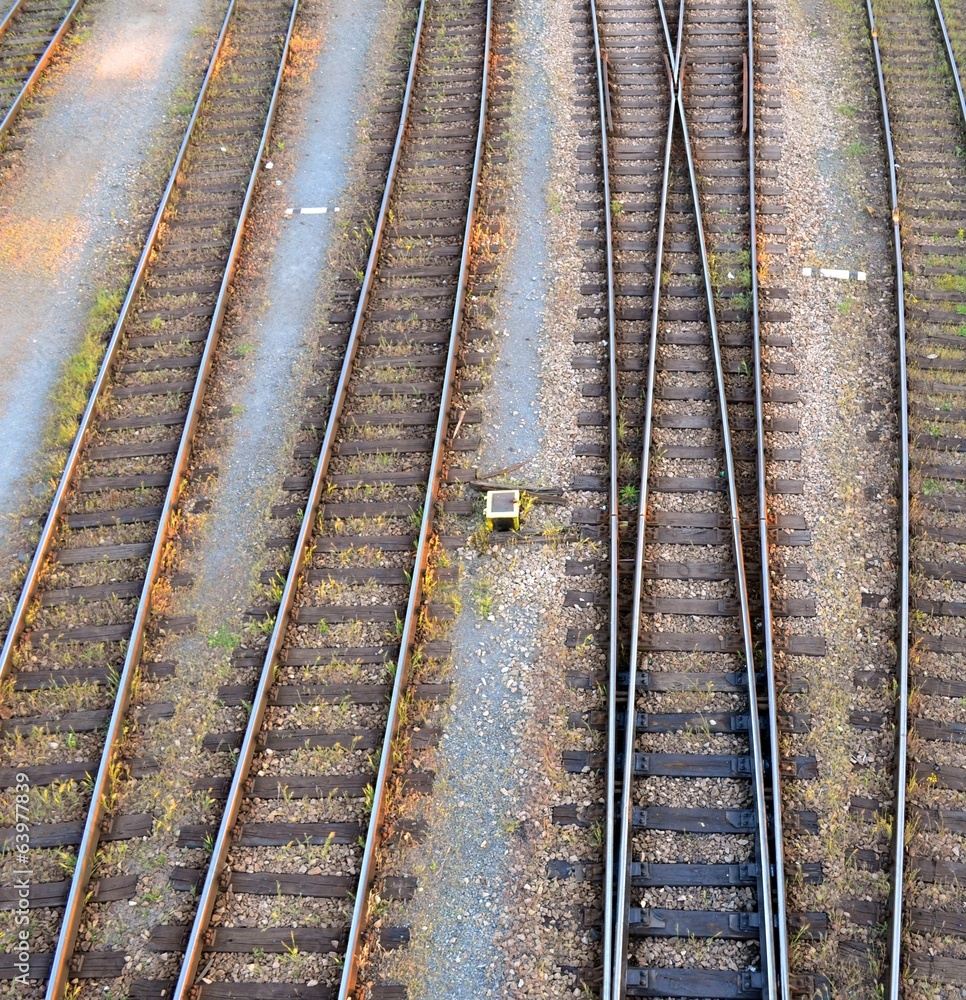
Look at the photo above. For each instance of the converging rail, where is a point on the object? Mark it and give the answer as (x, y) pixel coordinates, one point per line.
(30, 33)
(693, 328)
(80, 626)
(924, 121)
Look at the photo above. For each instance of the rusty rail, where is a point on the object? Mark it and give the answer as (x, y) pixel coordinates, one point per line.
(9, 16)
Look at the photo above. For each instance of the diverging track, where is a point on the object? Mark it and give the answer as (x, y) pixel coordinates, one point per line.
(697, 807)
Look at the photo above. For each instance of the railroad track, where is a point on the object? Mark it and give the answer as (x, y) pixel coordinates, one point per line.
(353, 606)
(924, 116)
(345, 618)
(30, 33)
(73, 649)
(694, 811)
(311, 742)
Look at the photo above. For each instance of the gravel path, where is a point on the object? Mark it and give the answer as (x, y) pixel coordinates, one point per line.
(486, 921)
(514, 431)
(473, 817)
(74, 205)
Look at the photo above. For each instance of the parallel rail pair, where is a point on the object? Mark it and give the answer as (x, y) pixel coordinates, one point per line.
(627, 648)
(123, 643)
(923, 110)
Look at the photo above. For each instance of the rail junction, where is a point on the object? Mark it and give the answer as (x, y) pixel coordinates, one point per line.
(691, 447)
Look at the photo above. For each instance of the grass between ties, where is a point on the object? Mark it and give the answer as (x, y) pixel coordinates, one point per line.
(73, 386)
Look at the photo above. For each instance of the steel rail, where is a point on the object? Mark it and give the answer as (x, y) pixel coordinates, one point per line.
(951, 56)
(754, 725)
(613, 513)
(761, 813)
(9, 16)
(59, 500)
(679, 40)
(219, 853)
(894, 916)
(85, 856)
(625, 829)
(767, 618)
(407, 639)
(45, 58)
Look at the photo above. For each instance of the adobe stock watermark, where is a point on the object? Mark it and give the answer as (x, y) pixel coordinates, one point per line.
(21, 876)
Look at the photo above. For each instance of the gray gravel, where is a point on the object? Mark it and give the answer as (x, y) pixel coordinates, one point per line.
(482, 869)
(844, 337)
(457, 912)
(515, 432)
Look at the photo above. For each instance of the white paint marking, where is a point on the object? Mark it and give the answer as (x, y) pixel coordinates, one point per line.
(834, 272)
(321, 210)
